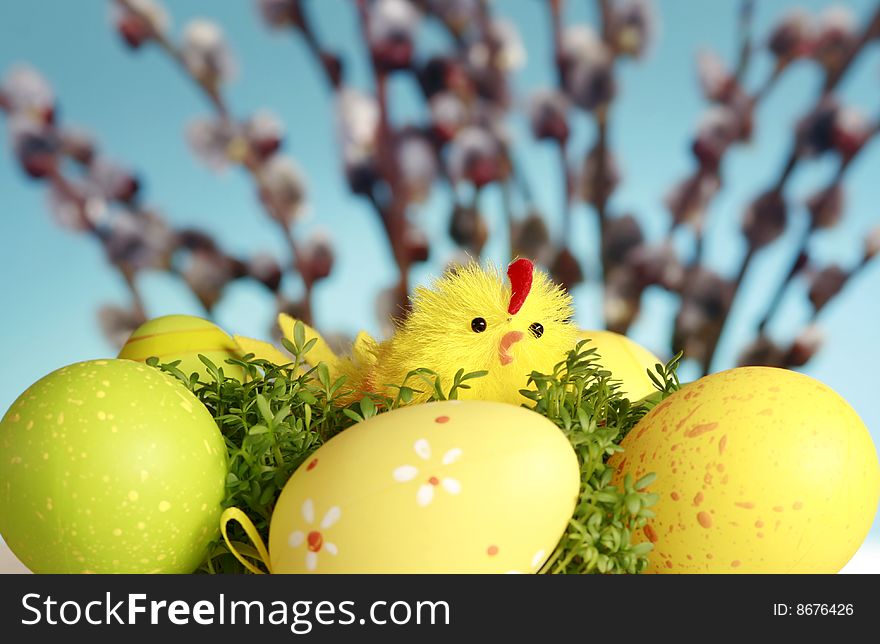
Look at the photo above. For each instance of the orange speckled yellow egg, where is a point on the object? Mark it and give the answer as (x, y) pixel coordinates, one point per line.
(455, 486)
(759, 470)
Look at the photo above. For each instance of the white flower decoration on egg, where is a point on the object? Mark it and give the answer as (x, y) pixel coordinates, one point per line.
(537, 560)
(314, 539)
(425, 493)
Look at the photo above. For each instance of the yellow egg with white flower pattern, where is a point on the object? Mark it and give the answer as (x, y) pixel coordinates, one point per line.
(446, 487)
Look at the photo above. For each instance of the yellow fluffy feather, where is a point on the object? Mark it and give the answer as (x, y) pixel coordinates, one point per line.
(443, 333)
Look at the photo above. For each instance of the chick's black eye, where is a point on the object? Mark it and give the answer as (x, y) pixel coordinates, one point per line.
(478, 325)
(537, 329)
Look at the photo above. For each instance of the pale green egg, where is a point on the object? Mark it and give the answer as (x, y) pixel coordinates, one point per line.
(110, 466)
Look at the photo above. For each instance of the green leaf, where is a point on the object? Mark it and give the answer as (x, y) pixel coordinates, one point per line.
(633, 503)
(307, 396)
(267, 495)
(323, 375)
(605, 497)
(356, 417)
(212, 368)
(299, 336)
(641, 549)
(308, 346)
(645, 481)
(265, 410)
(368, 407)
(280, 416)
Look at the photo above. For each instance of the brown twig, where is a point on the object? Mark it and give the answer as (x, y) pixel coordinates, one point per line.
(746, 13)
(72, 192)
(567, 193)
(691, 196)
(507, 209)
(813, 319)
(599, 191)
(212, 93)
(832, 79)
(801, 255)
(602, 115)
(393, 213)
(330, 63)
(562, 148)
(865, 37)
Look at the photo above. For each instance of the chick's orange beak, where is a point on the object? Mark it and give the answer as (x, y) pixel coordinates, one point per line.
(508, 340)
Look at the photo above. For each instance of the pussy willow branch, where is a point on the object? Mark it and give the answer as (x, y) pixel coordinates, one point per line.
(392, 213)
(70, 190)
(800, 257)
(744, 59)
(746, 38)
(215, 97)
(210, 92)
(868, 33)
(746, 13)
(690, 197)
(794, 158)
(801, 254)
(485, 23)
(507, 210)
(697, 258)
(867, 258)
(602, 118)
(322, 56)
(816, 313)
(562, 147)
(741, 68)
(601, 191)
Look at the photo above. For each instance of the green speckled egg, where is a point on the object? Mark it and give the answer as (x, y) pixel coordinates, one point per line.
(110, 466)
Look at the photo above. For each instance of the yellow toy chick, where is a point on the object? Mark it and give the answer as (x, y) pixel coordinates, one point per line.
(468, 319)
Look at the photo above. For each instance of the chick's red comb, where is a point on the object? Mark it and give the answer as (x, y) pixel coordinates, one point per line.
(519, 272)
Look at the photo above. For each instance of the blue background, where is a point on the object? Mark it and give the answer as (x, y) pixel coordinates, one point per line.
(138, 105)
